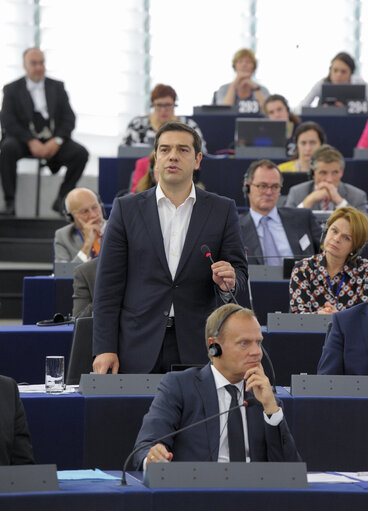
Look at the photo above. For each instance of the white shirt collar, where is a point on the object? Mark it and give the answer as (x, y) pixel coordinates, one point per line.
(31, 85)
(221, 381)
(257, 217)
(161, 196)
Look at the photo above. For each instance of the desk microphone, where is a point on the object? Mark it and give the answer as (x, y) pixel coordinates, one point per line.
(207, 253)
(249, 402)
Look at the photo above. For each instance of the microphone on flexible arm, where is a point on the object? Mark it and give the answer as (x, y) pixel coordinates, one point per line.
(207, 253)
(247, 403)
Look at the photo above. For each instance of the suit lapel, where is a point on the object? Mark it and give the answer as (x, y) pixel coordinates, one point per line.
(251, 240)
(25, 98)
(207, 391)
(200, 214)
(148, 207)
(50, 98)
(290, 229)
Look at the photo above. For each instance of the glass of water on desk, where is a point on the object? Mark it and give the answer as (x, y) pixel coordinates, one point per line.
(54, 375)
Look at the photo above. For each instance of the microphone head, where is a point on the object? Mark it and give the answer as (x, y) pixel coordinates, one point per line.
(205, 249)
(250, 401)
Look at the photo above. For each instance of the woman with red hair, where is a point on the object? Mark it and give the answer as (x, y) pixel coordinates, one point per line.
(142, 129)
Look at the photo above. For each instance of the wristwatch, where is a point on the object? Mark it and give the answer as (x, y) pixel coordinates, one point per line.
(58, 140)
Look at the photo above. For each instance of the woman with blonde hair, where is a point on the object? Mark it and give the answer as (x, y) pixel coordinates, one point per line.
(243, 87)
(335, 279)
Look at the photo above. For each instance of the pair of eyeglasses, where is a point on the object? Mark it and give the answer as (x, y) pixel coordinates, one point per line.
(262, 187)
(162, 106)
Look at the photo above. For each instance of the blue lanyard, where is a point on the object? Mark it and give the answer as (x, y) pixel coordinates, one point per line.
(338, 289)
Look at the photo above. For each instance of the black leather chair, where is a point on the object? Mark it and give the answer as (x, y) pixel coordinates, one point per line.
(81, 353)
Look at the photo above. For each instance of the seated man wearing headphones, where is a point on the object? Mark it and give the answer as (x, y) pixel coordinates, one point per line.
(326, 191)
(80, 240)
(234, 378)
(271, 233)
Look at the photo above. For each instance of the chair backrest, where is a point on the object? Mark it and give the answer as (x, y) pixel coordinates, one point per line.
(81, 353)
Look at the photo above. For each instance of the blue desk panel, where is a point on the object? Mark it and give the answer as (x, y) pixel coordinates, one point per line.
(342, 132)
(107, 495)
(224, 176)
(56, 296)
(23, 349)
(44, 296)
(57, 427)
(292, 353)
(90, 432)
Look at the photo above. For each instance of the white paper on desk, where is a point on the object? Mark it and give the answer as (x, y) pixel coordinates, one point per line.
(85, 475)
(339, 477)
(40, 388)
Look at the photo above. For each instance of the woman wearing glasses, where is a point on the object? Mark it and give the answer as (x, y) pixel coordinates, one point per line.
(142, 129)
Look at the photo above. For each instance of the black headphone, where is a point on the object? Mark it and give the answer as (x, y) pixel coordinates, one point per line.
(69, 217)
(248, 176)
(315, 158)
(58, 319)
(214, 349)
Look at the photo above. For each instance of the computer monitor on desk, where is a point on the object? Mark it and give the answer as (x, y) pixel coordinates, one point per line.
(342, 92)
(259, 138)
(65, 270)
(360, 153)
(135, 151)
(322, 215)
(214, 110)
(290, 179)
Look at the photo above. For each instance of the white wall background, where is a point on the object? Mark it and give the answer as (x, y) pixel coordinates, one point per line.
(110, 53)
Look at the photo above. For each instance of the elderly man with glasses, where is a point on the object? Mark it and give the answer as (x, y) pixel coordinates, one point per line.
(270, 233)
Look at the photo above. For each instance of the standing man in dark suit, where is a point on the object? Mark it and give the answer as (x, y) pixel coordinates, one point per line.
(235, 375)
(15, 441)
(154, 288)
(291, 232)
(37, 120)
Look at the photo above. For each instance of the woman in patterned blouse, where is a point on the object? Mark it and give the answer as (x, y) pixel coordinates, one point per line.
(142, 129)
(337, 278)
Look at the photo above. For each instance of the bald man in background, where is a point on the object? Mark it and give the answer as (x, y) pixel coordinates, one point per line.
(80, 241)
(37, 120)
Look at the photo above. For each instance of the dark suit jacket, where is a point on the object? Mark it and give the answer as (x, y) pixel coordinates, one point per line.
(17, 110)
(355, 197)
(297, 222)
(186, 397)
(83, 287)
(134, 288)
(346, 348)
(15, 441)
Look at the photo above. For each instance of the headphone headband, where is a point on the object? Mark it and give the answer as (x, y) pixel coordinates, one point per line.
(224, 319)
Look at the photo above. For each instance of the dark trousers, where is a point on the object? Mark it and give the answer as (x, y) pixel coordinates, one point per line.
(71, 155)
(169, 353)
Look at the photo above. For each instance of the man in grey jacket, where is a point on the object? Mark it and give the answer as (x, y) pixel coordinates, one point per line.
(80, 240)
(326, 191)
